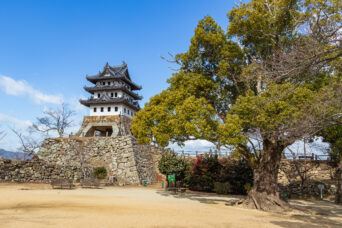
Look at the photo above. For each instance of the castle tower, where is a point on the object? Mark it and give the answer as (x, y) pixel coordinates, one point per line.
(112, 104)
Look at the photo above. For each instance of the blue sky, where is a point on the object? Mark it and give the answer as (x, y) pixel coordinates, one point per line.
(47, 48)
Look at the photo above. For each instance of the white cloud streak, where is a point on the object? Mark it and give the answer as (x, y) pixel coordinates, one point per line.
(22, 124)
(22, 88)
(194, 145)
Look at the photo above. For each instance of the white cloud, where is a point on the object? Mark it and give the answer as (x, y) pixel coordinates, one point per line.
(22, 88)
(77, 106)
(10, 141)
(10, 120)
(194, 145)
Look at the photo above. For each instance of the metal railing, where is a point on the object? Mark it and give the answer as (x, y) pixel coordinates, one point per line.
(297, 156)
(307, 156)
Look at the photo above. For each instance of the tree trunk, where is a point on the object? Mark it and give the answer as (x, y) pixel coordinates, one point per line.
(264, 194)
(339, 184)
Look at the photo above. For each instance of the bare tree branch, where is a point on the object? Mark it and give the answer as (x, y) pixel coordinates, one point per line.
(172, 60)
(55, 120)
(28, 144)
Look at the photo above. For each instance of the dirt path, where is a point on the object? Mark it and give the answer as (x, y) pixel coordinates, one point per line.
(36, 205)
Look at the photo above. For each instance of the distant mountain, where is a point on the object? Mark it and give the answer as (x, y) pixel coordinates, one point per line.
(13, 155)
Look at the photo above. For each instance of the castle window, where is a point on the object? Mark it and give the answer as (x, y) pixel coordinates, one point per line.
(111, 94)
(128, 111)
(116, 94)
(94, 109)
(98, 95)
(108, 83)
(101, 109)
(108, 109)
(103, 83)
(124, 110)
(116, 109)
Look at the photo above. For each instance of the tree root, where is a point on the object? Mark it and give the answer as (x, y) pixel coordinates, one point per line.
(263, 201)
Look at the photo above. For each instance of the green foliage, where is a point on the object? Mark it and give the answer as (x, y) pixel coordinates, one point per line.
(174, 117)
(275, 75)
(199, 95)
(279, 106)
(171, 163)
(100, 172)
(261, 25)
(238, 173)
(222, 188)
(333, 135)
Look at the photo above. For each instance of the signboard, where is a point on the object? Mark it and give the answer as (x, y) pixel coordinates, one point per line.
(321, 188)
(171, 178)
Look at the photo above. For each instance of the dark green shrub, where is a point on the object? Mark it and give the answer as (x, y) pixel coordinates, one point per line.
(222, 188)
(238, 173)
(100, 172)
(171, 163)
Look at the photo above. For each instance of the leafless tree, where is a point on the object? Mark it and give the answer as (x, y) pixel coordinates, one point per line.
(28, 144)
(57, 120)
(303, 169)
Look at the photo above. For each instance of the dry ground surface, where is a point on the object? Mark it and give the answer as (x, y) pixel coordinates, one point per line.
(37, 205)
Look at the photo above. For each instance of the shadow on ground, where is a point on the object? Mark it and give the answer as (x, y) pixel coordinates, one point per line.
(316, 214)
(203, 197)
(310, 214)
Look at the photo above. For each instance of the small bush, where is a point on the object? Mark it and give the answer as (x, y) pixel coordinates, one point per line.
(171, 163)
(222, 188)
(100, 172)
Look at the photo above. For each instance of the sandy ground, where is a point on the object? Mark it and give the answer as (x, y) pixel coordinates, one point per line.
(37, 205)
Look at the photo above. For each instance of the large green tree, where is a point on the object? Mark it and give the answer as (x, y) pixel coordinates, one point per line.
(200, 93)
(259, 82)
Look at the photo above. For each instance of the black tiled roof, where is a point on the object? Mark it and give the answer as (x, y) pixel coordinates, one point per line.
(115, 72)
(93, 89)
(118, 100)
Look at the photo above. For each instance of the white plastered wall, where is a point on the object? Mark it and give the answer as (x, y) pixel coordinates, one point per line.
(112, 112)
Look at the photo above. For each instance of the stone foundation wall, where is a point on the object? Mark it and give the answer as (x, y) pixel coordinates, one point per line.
(312, 172)
(122, 156)
(131, 163)
(120, 124)
(37, 170)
